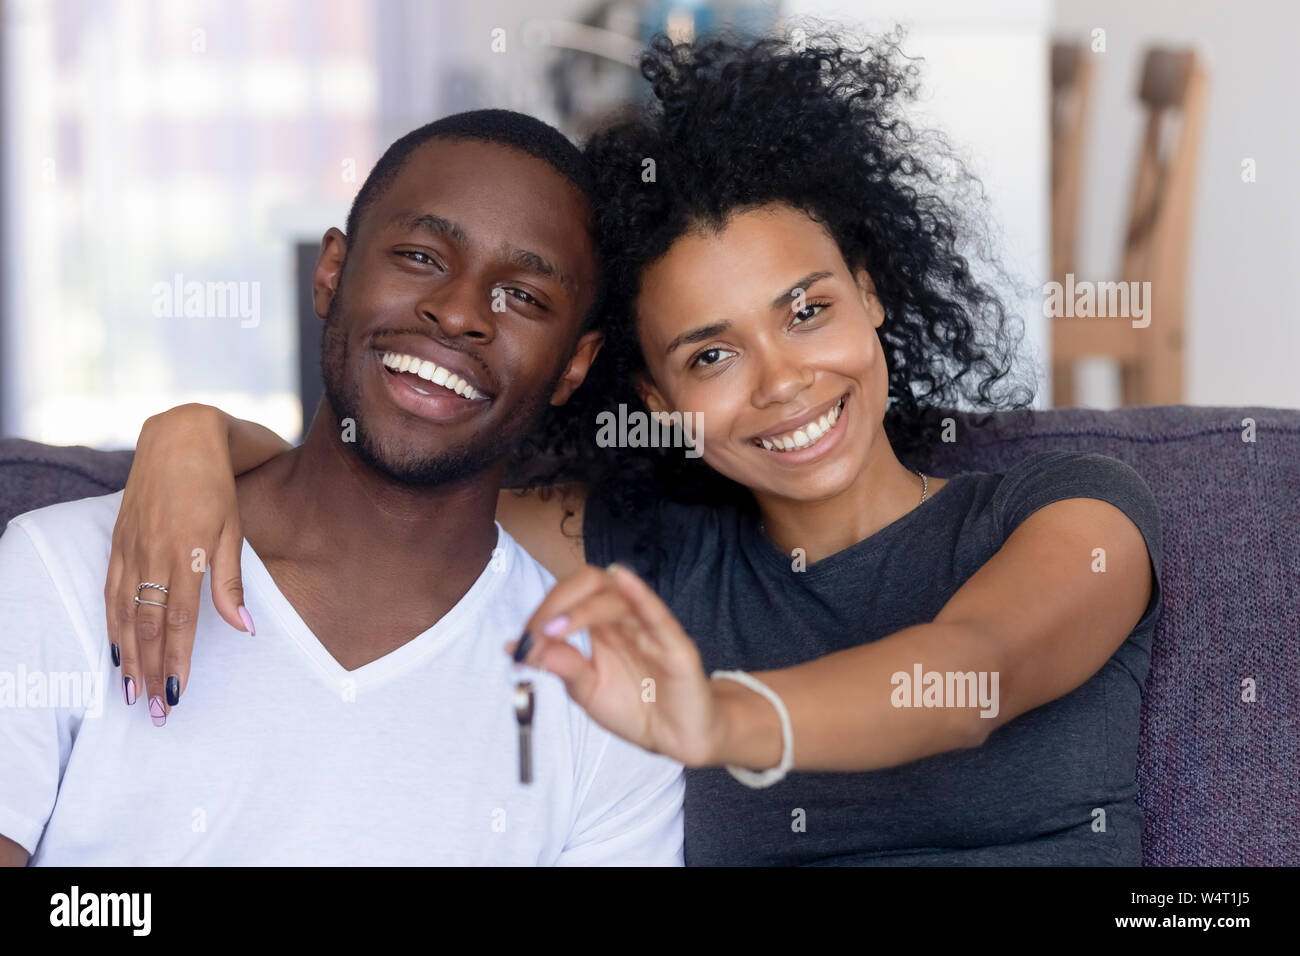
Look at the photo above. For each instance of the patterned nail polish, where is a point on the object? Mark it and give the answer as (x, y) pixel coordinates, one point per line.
(117, 658)
(173, 691)
(128, 690)
(156, 712)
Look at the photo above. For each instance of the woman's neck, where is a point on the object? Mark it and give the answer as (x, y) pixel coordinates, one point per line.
(882, 493)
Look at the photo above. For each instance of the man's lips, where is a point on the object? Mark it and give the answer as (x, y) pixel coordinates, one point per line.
(421, 398)
(422, 364)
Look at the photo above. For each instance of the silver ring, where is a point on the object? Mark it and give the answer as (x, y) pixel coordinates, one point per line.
(149, 584)
(154, 603)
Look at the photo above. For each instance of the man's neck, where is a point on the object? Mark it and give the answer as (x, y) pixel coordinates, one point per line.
(320, 518)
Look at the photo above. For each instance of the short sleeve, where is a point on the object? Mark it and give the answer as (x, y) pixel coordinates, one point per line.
(1053, 476)
(610, 535)
(630, 810)
(40, 656)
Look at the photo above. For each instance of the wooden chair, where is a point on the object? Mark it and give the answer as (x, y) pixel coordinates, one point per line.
(1071, 93)
(1173, 90)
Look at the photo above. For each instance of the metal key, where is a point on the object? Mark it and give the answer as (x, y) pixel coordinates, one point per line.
(524, 704)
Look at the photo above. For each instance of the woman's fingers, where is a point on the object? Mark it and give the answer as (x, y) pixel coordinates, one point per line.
(122, 609)
(150, 635)
(112, 585)
(566, 594)
(185, 586)
(227, 581)
(566, 662)
(655, 616)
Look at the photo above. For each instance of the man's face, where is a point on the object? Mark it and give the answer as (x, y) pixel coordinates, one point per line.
(476, 262)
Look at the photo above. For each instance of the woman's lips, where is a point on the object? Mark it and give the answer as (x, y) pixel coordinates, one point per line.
(807, 446)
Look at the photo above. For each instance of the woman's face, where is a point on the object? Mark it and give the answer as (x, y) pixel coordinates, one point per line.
(763, 330)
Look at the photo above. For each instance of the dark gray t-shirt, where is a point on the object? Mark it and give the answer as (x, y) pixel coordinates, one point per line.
(1028, 796)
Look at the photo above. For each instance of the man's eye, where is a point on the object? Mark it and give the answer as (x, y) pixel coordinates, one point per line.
(522, 296)
(423, 258)
(809, 311)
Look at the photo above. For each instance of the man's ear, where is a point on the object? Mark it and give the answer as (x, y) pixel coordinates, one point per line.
(329, 267)
(584, 353)
(870, 300)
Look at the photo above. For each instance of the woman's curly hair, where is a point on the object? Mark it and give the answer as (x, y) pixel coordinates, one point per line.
(817, 125)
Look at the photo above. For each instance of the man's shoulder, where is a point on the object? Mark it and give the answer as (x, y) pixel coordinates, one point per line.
(72, 525)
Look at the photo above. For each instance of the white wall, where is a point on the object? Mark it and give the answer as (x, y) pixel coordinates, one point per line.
(985, 85)
(1243, 322)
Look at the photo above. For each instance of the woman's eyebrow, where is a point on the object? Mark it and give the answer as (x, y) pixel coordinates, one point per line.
(783, 300)
(697, 335)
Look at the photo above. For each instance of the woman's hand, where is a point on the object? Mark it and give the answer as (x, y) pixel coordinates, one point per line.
(644, 680)
(179, 516)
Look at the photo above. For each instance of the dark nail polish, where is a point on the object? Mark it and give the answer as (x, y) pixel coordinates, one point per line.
(117, 658)
(173, 691)
(524, 646)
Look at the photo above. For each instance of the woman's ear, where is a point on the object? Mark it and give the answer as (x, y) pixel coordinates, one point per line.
(870, 300)
(584, 353)
(650, 395)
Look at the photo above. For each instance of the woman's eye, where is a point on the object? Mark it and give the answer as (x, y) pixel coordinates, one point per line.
(809, 311)
(709, 357)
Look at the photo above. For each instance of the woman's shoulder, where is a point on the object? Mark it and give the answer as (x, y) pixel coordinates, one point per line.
(1046, 477)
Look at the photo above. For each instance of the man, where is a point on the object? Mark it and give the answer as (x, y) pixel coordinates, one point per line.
(369, 721)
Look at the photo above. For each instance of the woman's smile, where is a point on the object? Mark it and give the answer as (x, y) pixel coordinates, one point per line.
(813, 434)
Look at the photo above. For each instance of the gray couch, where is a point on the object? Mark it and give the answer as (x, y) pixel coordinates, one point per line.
(1219, 778)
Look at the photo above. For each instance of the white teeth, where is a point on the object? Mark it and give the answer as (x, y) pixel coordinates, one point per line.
(430, 372)
(809, 434)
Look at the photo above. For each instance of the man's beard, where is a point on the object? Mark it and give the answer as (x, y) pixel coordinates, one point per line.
(412, 466)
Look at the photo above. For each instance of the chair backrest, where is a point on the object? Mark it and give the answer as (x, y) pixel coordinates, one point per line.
(1173, 92)
(1071, 95)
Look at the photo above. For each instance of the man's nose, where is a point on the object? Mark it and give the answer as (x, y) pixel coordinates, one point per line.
(460, 310)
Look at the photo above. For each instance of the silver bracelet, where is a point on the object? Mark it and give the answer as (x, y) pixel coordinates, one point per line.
(766, 778)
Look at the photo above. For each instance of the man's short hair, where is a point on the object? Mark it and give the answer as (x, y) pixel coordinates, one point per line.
(505, 127)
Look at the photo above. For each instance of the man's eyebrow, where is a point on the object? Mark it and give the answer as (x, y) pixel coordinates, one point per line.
(784, 299)
(697, 335)
(543, 267)
(434, 225)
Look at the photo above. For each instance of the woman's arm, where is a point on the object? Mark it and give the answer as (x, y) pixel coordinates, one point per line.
(1036, 614)
(180, 516)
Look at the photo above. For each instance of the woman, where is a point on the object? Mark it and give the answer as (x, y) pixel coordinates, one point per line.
(968, 652)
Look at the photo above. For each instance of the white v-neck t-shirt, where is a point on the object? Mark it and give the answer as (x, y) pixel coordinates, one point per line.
(277, 755)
